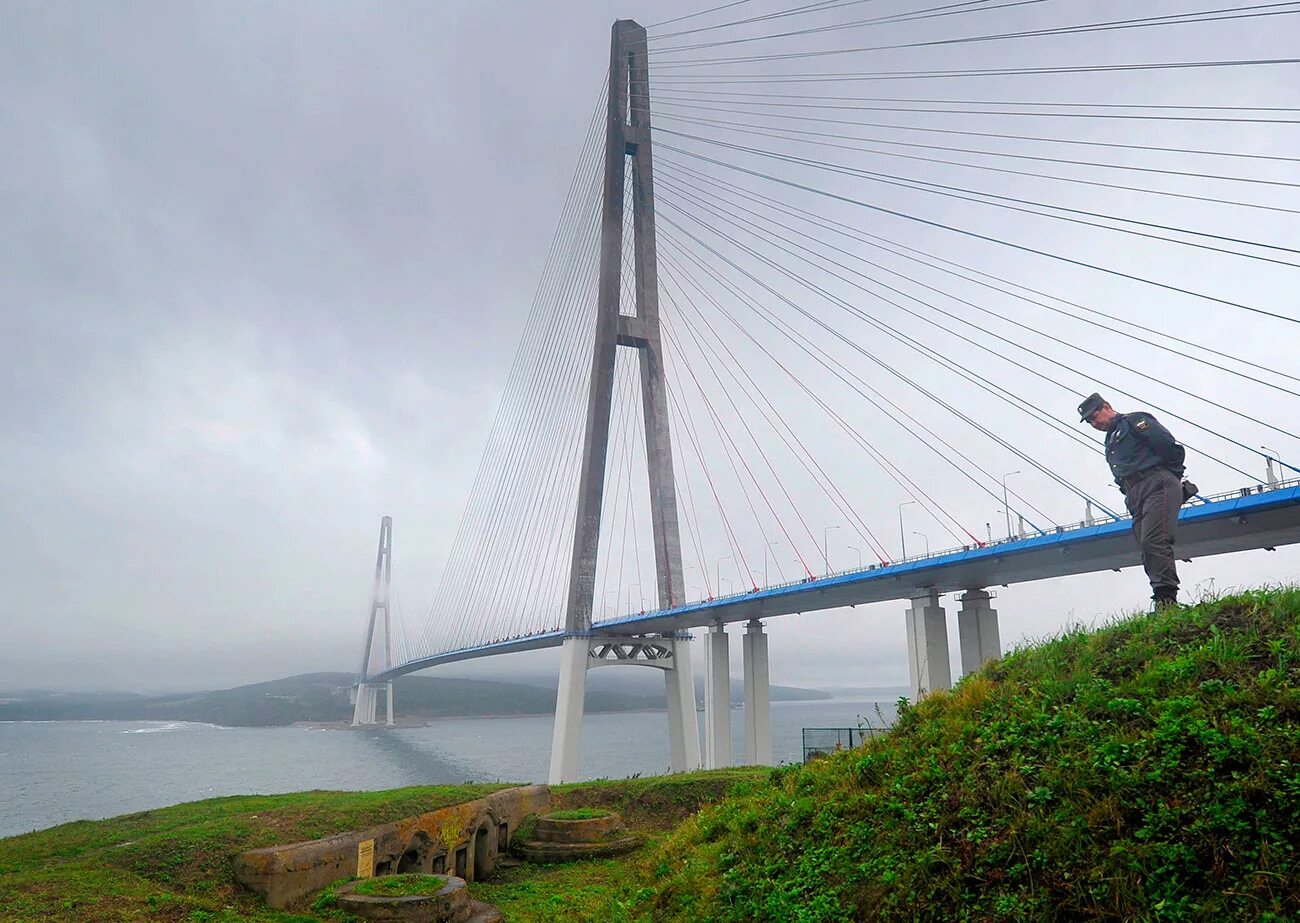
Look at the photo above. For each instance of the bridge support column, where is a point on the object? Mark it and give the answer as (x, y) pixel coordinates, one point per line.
(683, 726)
(569, 703)
(758, 696)
(928, 664)
(977, 631)
(366, 707)
(717, 698)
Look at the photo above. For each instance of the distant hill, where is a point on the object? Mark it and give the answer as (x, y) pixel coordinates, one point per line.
(309, 697)
(324, 697)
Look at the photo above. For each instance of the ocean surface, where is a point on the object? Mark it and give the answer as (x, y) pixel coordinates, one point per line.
(52, 772)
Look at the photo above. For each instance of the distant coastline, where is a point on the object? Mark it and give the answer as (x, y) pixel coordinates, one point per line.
(321, 701)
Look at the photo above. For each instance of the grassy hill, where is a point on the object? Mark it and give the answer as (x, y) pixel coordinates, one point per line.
(175, 864)
(1146, 771)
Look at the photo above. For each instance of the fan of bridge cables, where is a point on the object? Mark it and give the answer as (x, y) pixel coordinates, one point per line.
(898, 242)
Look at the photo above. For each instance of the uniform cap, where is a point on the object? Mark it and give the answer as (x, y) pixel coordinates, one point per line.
(1092, 403)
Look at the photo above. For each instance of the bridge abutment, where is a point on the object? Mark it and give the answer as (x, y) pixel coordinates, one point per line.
(758, 696)
(977, 630)
(717, 698)
(928, 664)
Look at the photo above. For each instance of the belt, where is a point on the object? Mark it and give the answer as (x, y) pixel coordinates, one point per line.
(1144, 473)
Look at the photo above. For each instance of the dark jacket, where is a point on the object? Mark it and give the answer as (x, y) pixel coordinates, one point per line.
(1138, 442)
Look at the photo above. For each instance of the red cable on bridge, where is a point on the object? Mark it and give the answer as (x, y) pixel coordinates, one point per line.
(762, 493)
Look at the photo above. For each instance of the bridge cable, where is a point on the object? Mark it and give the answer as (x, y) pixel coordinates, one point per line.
(841, 371)
(853, 344)
(886, 464)
(904, 338)
(807, 459)
(1255, 11)
(732, 451)
(934, 12)
(978, 236)
(915, 255)
(1000, 201)
(762, 454)
(1192, 174)
(990, 312)
(966, 73)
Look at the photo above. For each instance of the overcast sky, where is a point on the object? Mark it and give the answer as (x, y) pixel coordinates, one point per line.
(264, 267)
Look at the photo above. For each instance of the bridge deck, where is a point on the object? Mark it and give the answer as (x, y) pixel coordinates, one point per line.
(1251, 518)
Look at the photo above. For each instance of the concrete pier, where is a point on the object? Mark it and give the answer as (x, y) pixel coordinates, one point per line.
(717, 698)
(683, 726)
(566, 739)
(928, 665)
(758, 696)
(977, 630)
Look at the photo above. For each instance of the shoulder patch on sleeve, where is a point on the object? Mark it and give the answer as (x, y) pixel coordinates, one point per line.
(1142, 425)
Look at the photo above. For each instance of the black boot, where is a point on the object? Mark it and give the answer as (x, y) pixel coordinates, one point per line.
(1164, 597)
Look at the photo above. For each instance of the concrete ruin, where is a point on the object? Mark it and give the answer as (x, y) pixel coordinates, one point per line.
(463, 840)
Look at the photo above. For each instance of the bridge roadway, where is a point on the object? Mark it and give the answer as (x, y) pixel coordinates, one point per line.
(1249, 518)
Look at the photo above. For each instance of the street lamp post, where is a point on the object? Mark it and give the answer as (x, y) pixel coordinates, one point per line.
(629, 596)
(1005, 506)
(1268, 464)
(927, 542)
(859, 551)
(719, 570)
(901, 540)
(765, 547)
(826, 555)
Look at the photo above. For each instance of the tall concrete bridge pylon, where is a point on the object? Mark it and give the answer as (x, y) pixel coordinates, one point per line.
(365, 694)
(627, 137)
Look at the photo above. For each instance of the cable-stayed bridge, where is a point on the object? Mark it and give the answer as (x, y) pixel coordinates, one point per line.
(781, 307)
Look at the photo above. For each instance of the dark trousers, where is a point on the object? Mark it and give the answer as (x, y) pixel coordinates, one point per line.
(1153, 501)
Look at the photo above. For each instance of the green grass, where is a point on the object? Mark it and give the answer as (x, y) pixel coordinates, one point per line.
(1146, 771)
(601, 890)
(176, 863)
(401, 885)
(578, 814)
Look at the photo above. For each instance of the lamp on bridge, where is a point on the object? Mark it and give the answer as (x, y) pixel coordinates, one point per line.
(765, 547)
(927, 542)
(901, 540)
(718, 582)
(826, 557)
(1005, 507)
(1268, 465)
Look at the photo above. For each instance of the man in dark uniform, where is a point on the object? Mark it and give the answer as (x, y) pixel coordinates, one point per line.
(1147, 464)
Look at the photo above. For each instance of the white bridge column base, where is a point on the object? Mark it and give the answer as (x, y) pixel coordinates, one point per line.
(977, 631)
(367, 704)
(389, 698)
(581, 653)
(569, 702)
(717, 698)
(683, 725)
(928, 665)
(758, 696)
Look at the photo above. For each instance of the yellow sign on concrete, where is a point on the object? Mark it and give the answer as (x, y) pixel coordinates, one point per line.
(366, 859)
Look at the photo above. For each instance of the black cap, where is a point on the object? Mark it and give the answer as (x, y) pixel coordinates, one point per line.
(1092, 403)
